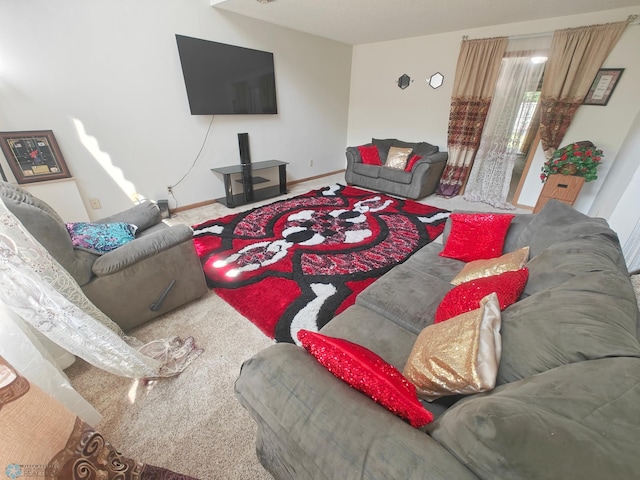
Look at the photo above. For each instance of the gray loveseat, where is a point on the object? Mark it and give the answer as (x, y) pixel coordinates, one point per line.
(567, 399)
(420, 182)
(154, 273)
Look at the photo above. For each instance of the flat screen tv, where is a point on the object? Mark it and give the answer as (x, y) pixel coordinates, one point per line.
(226, 79)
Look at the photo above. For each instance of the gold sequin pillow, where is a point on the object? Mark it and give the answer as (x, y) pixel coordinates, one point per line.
(459, 356)
(397, 157)
(508, 262)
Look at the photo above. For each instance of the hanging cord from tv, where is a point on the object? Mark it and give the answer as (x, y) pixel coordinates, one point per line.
(195, 160)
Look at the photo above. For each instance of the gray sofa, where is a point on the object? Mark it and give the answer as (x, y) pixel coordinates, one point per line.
(567, 397)
(420, 182)
(138, 281)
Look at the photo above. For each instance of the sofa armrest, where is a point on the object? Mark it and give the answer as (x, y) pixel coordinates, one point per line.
(437, 157)
(143, 216)
(141, 248)
(353, 156)
(313, 424)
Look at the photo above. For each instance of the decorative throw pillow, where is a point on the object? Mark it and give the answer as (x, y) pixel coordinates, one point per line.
(412, 161)
(486, 268)
(459, 357)
(100, 237)
(466, 296)
(397, 157)
(476, 236)
(368, 373)
(369, 155)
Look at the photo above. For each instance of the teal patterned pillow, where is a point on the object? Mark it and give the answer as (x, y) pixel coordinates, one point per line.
(100, 238)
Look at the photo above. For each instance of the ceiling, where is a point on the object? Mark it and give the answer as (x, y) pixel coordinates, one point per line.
(356, 22)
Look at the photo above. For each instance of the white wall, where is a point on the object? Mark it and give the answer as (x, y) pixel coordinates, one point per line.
(106, 78)
(378, 108)
(621, 198)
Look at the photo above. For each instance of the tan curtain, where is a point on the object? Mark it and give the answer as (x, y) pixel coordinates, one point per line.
(576, 56)
(476, 74)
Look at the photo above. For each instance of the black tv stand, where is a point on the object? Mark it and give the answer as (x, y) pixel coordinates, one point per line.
(249, 194)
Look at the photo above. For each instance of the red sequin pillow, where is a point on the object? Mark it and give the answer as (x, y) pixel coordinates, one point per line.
(367, 372)
(476, 236)
(466, 296)
(412, 161)
(369, 155)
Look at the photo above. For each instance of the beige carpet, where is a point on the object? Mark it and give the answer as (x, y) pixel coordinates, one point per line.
(192, 423)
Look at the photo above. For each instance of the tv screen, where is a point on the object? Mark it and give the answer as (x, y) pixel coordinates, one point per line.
(225, 79)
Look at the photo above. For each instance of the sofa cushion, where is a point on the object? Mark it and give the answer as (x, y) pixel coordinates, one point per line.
(467, 296)
(48, 228)
(144, 215)
(397, 157)
(564, 260)
(368, 373)
(373, 331)
(424, 149)
(476, 236)
(517, 225)
(558, 222)
(507, 262)
(384, 145)
(396, 175)
(372, 171)
(411, 162)
(313, 426)
(591, 315)
(576, 421)
(425, 275)
(459, 357)
(369, 154)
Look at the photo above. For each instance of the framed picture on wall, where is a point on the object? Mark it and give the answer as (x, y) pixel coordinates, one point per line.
(603, 86)
(33, 156)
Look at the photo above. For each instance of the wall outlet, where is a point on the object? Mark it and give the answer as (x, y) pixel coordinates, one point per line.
(95, 203)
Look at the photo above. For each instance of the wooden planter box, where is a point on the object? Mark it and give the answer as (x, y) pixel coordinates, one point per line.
(561, 187)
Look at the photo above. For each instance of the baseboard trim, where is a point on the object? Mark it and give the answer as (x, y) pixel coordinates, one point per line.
(308, 179)
(292, 182)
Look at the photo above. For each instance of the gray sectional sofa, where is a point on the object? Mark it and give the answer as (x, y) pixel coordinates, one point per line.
(567, 397)
(420, 182)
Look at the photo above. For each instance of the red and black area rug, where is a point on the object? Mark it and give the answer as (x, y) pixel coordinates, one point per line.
(296, 263)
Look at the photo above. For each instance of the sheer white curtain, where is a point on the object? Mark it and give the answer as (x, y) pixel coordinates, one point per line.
(490, 176)
(22, 348)
(42, 294)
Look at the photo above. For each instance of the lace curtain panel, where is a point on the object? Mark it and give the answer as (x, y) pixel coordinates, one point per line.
(576, 56)
(490, 177)
(474, 84)
(43, 294)
(23, 348)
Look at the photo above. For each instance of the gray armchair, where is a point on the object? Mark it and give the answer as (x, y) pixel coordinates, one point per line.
(140, 280)
(421, 181)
